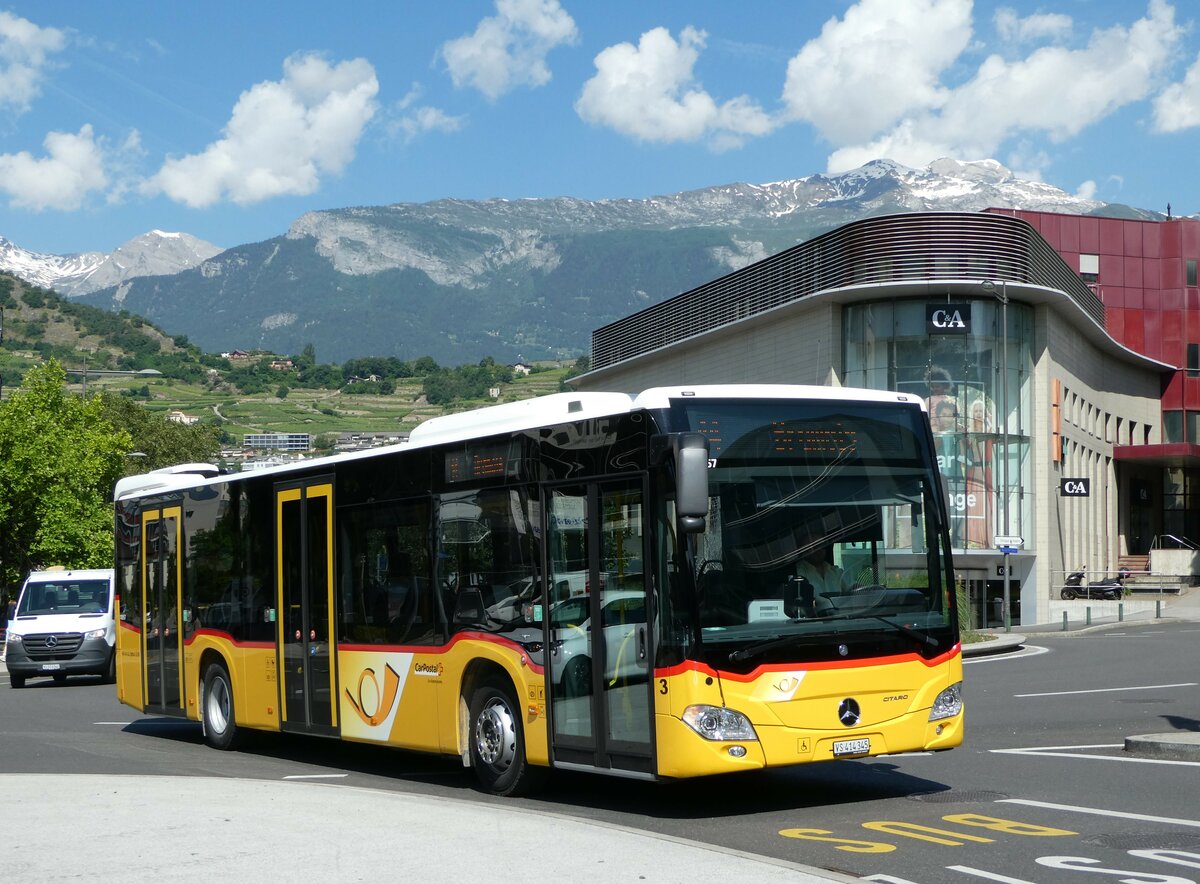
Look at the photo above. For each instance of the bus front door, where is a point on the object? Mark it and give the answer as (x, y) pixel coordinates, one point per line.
(162, 629)
(598, 629)
(304, 595)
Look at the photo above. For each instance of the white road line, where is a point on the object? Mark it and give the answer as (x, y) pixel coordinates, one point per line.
(1149, 687)
(1049, 752)
(990, 876)
(1096, 811)
(320, 776)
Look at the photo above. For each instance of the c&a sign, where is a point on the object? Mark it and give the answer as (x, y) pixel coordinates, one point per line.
(948, 319)
(1075, 487)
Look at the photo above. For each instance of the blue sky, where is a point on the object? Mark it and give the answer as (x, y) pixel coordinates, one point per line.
(229, 120)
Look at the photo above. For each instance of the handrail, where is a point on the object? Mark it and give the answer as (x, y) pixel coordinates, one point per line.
(1183, 542)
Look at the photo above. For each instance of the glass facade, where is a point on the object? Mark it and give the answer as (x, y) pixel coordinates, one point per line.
(960, 373)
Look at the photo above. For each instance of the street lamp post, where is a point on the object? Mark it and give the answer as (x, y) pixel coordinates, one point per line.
(1002, 297)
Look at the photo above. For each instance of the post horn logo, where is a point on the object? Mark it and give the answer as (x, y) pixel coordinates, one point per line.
(375, 705)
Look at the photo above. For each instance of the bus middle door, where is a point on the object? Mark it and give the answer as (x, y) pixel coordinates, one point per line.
(304, 595)
(162, 628)
(598, 628)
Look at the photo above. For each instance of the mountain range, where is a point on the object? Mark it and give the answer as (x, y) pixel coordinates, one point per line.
(512, 279)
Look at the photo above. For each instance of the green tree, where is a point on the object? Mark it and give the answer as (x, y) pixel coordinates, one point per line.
(59, 459)
(159, 442)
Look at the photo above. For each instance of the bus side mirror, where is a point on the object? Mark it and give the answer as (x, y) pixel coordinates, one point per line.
(691, 476)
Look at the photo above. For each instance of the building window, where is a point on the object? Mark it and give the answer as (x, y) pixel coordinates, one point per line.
(1173, 426)
(1089, 267)
(1193, 360)
(1191, 271)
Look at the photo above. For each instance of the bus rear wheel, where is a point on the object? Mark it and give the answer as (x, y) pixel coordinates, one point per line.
(497, 742)
(220, 729)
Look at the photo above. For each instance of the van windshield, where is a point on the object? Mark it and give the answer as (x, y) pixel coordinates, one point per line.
(66, 597)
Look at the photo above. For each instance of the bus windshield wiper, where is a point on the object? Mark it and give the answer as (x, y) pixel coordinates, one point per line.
(912, 632)
(779, 641)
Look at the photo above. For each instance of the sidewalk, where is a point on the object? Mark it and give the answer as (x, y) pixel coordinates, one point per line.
(205, 829)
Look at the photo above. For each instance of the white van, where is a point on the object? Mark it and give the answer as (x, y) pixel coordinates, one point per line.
(63, 626)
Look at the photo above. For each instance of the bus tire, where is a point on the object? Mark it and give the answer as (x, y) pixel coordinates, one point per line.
(497, 742)
(216, 709)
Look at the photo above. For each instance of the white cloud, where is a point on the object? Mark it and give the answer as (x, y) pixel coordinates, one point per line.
(879, 63)
(72, 168)
(649, 92)
(1086, 190)
(419, 120)
(1178, 107)
(1055, 91)
(282, 136)
(509, 49)
(24, 54)
(1039, 26)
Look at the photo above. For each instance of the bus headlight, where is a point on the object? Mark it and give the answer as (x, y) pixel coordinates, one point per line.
(719, 723)
(948, 703)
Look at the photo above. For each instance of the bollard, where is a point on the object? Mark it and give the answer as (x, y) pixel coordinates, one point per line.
(1158, 609)
(1064, 621)
(1120, 612)
(1088, 619)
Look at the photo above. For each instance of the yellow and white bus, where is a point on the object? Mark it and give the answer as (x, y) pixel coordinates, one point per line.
(685, 582)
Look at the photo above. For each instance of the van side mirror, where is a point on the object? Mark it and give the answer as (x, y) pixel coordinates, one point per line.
(691, 477)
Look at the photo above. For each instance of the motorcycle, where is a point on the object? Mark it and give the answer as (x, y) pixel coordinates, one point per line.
(1109, 588)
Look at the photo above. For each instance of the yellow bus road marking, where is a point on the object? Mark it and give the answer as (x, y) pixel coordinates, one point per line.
(1096, 811)
(1149, 687)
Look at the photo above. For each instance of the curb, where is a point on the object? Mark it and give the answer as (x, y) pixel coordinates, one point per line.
(1179, 746)
(995, 644)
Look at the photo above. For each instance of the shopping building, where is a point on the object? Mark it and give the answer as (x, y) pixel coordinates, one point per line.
(1059, 357)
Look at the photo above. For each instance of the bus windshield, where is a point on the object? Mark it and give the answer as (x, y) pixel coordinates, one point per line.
(825, 536)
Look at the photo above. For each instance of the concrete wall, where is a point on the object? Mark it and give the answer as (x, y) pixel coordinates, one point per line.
(1099, 394)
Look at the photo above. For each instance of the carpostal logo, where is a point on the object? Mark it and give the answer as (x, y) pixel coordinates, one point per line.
(948, 319)
(433, 670)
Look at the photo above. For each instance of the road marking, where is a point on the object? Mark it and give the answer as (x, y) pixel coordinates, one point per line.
(1096, 811)
(1027, 651)
(1051, 752)
(319, 776)
(1149, 687)
(990, 876)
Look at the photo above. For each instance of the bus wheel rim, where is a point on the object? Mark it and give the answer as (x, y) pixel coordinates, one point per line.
(218, 705)
(496, 735)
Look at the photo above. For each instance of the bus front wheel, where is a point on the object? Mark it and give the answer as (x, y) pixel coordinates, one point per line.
(220, 730)
(497, 741)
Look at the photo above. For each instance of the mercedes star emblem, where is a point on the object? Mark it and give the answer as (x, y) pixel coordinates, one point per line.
(52, 641)
(848, 712)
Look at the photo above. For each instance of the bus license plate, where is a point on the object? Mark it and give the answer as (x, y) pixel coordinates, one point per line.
(852, 747)
(49, 667)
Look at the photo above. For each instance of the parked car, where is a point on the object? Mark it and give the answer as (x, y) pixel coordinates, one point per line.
(623, 615)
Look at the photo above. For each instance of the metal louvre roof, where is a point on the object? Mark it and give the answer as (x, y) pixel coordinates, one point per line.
(925, 246)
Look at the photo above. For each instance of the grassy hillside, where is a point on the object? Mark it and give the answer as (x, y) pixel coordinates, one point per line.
(39, 325)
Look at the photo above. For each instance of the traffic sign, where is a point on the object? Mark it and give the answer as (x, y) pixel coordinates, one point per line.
(1003, 540)
(1008, 550)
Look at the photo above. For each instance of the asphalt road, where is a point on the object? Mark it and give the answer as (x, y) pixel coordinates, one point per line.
(1043, 790)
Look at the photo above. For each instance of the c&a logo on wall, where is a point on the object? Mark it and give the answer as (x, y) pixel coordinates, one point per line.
(948, 319)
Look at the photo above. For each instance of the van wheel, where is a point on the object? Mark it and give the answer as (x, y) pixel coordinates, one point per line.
(17, 681)
(497, 742)
(220, 729)
(109, 676)
(60, 678)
